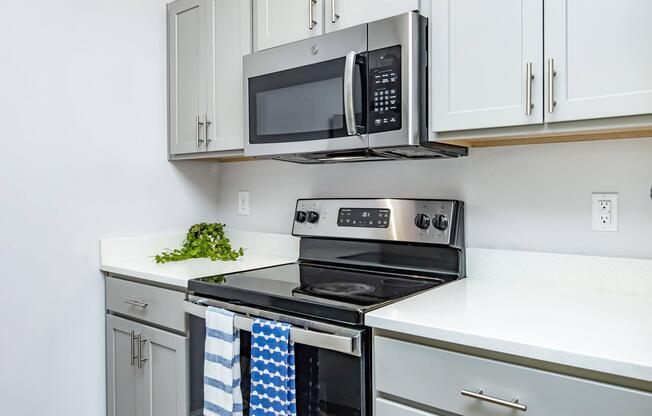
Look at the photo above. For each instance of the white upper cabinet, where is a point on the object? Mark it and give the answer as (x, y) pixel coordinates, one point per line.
(284, 21)
(601, 51)
(229, 29)
(187, 75)
(486, 63)
(341, 14)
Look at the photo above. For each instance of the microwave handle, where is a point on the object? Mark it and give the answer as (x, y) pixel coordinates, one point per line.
(349, 105)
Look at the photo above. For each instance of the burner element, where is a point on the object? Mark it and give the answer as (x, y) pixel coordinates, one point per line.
(341, 288)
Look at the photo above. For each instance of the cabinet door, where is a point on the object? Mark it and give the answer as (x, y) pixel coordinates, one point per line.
(124, 383)
(601, 51)
(341, 14)
(481, 51)
(165, 373)
(286, 21)
(229, 34)
(187, 75)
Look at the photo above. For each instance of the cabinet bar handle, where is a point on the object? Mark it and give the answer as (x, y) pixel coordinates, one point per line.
(529, 77)
(134, 302)
(514, 404)
(197, 129)
(551, 85)
(132, 349)
(139, 341)
(311, 14)
(334, 16)
(206, 124)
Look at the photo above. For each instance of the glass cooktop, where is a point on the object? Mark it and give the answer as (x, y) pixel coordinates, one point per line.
(332, 293)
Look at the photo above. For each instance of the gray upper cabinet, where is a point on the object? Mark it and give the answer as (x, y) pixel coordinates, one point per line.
(206, 42)
(601, 51)
(187, 75)
(147, 372)
(341, 14)
(487, 63)
(229, 31)
(285, 21)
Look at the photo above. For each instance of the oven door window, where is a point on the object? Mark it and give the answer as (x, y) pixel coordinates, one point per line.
(302, 104)
(328, 383)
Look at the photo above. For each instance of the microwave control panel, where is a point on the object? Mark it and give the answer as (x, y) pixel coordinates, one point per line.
(385, 89)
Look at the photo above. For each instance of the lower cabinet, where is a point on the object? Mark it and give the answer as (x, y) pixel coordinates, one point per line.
(466, 385)
(147, 372)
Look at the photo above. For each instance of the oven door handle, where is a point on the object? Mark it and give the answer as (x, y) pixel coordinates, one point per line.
(349, 104)
(347, 344)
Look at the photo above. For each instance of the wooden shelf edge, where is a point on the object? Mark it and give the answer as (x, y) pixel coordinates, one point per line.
(565, 137)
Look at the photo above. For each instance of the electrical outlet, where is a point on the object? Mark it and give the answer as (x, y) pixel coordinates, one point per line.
(243, 203)
(604, 209)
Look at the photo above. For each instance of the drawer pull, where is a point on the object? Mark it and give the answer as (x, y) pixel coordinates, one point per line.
(134, 302)
(514, 404)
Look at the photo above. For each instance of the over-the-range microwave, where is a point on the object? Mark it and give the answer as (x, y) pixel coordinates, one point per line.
(356, 94)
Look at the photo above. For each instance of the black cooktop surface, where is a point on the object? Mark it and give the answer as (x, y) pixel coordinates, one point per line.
(328, 292)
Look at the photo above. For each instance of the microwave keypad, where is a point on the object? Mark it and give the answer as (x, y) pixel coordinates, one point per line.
(385, 91)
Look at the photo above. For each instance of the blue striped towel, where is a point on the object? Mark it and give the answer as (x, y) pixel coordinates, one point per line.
(273, 385)
(222, 395)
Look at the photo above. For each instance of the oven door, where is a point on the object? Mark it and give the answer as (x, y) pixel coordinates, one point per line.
(332, 362)
(309, 96)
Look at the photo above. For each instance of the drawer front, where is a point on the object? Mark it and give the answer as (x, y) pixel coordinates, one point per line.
(148, 303)
(387, 408)
(436, 378)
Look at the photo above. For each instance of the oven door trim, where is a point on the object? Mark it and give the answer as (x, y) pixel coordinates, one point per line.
(304, 331)
(306, 52)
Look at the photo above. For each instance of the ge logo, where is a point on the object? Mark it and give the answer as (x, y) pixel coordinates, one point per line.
(314, 50)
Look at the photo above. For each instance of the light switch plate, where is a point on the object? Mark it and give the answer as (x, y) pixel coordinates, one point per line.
(243, 202)
(604, 211)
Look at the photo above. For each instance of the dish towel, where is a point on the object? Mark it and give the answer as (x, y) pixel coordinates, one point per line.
(222, 395)
(273, 384)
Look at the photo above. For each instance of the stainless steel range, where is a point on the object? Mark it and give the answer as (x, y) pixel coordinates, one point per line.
(356, 255)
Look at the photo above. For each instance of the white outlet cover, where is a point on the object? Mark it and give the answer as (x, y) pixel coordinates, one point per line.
(243, 202)
(604, 211)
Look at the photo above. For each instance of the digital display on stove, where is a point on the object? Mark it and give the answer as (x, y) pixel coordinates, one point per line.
(363, 217)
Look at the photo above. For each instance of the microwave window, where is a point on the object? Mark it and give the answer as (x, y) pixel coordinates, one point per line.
(294, 109)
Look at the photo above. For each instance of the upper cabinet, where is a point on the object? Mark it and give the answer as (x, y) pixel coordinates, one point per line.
(340, 14)
(487, 61)
(186, 75)
(598, 58)
(527, 62)
(284, 21)
(206, 42)
(287, 21)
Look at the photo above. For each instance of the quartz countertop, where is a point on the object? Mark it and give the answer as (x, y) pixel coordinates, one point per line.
(134, 257)
(583, 323)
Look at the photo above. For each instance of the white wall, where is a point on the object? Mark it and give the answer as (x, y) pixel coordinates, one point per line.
(527, 198)
(82, 156)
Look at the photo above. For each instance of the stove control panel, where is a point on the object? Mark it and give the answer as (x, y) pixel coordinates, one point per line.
(408, 220)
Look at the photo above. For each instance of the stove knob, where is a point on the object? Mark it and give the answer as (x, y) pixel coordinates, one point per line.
(300, 216)
(313, 217)
(440, 222)
(422, 221)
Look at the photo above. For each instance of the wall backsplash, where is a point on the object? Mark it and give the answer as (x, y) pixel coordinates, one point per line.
(534, 198)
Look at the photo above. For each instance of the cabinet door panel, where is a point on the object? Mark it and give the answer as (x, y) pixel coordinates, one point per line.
(354, 12)
(286, 21)
(480, 52)
(165, 373)
(124, 386)
(602, 52)
(187, 74)
(229, 30)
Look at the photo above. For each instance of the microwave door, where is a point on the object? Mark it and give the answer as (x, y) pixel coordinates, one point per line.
(314, 105)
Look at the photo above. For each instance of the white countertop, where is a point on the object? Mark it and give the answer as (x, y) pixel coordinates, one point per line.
(134, 257)
(601, 327)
